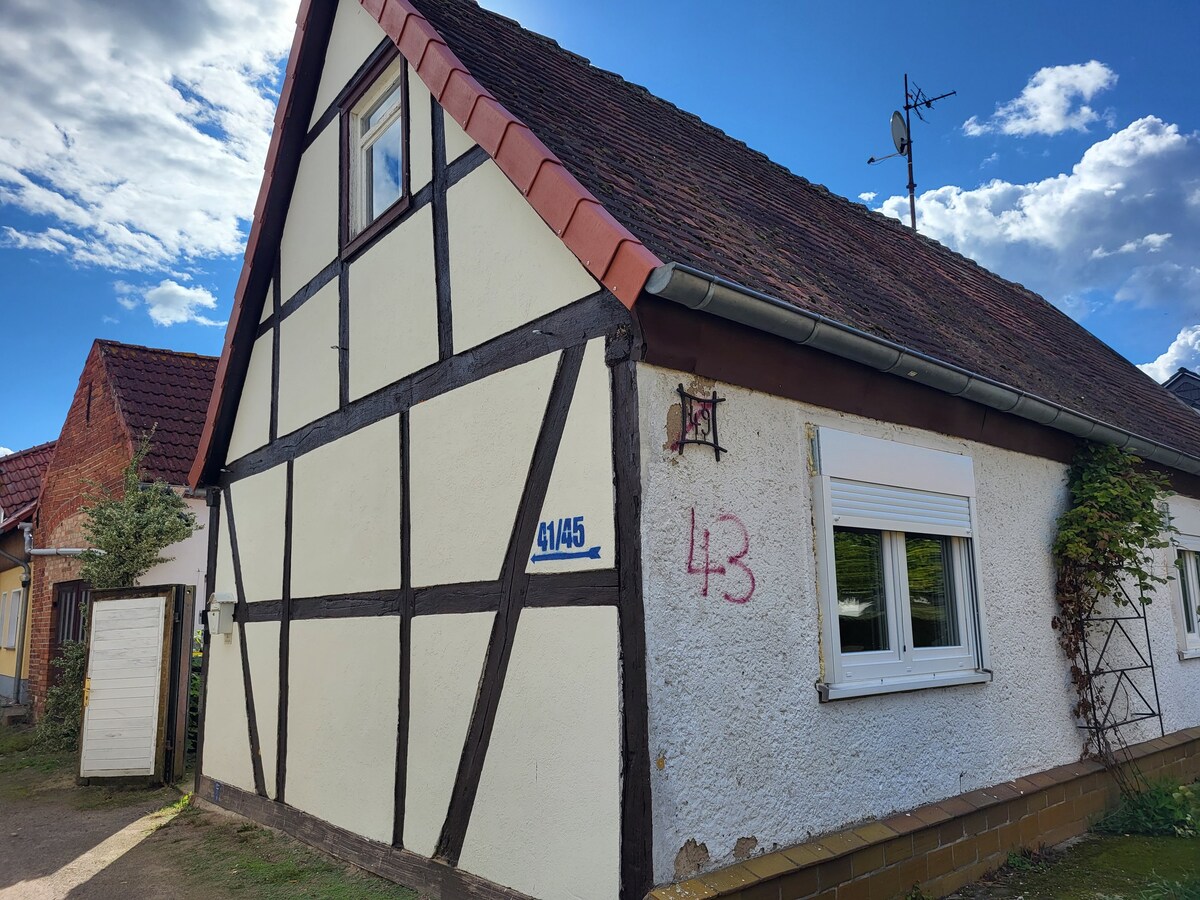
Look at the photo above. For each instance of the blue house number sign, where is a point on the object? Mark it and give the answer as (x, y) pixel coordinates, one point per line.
(563, 539)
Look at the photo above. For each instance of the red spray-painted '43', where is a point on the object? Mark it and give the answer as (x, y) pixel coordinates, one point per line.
(727, 531)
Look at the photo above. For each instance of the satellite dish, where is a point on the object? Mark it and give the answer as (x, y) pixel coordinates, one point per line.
(899, 132)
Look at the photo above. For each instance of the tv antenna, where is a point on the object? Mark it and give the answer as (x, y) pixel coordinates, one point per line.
(914, 100)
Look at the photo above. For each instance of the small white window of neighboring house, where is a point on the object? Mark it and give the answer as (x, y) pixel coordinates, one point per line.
(15, 602)
(1188, 597)
(895, 537)
(376, 146)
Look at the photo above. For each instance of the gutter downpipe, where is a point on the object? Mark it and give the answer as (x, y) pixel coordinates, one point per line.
(714, 295)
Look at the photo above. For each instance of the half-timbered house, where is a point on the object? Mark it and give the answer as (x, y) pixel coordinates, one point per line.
(602, 504)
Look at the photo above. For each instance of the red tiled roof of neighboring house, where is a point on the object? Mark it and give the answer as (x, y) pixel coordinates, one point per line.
(165, 391)
(21, 483)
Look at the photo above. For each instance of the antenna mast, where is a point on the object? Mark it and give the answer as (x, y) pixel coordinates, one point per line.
(914, 100)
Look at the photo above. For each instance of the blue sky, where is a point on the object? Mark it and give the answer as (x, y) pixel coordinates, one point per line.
(1069, 160)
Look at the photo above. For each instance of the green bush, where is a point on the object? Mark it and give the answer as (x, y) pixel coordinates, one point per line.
(1164, 808)
(58, 728)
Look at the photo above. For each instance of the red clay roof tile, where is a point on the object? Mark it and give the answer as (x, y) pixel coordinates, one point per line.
(21, 483)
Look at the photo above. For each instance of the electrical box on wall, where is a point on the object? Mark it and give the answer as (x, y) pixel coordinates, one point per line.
(220, 614)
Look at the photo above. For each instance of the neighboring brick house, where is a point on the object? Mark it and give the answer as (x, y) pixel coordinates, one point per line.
(124, 392)
(20, 486)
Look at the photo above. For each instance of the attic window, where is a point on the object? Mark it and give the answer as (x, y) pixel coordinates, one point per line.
(375, 143)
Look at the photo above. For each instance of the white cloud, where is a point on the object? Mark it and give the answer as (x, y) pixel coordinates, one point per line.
(1122, 225)
(867, 196)
(4, 451)
(1054, 100)
(137, 129)
(1184, 353)
(171, 303)
(110, 320)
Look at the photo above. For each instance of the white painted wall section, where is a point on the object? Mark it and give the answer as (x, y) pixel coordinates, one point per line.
(547, 815)
(393, 307)
(728, 679)
(258, 507)
(581, 485)
(310, 235)
(269, 303)
(447, 661)
(308, 360)
(188, 559)
(344, 691)
(420, 132)
(346, 514)
(458, 141)
(252, 423)
(355, 36)
(471, 450)
(226, 734)
(262, 649)
(507, 266)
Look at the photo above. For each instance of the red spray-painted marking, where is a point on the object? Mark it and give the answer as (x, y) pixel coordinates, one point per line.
(733, 561)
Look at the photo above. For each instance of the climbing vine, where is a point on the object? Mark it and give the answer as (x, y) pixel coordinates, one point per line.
(1103, 551)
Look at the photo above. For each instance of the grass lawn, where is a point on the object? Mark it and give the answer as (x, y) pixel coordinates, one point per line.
(129, 842)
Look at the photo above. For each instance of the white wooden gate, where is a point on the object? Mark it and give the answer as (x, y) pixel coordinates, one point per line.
(121, 715)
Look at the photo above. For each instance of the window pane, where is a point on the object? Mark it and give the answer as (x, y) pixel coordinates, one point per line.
(862, 597)
(931, 592)
(384, 169)
(381, 109)
(1187, 585)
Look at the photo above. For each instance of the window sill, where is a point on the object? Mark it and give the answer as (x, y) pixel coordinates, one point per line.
(1189, 654)
(896, 685)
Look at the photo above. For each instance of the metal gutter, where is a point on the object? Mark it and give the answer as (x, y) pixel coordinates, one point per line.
(719, 297)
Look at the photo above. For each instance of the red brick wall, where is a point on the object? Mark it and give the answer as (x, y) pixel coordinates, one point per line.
(94, 447)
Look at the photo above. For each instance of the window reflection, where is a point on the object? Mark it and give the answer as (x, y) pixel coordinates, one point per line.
(862, 599)
(930, 592)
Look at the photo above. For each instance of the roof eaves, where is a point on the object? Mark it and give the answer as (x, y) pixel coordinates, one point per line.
(717, 296)
(607, 249)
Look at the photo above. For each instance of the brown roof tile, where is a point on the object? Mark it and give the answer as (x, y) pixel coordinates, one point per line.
(165, 391)
(21, 482)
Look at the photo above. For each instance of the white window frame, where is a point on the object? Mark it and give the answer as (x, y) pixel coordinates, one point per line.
(1187, 588)
(14, 608)
(841, 457)
(392, 78)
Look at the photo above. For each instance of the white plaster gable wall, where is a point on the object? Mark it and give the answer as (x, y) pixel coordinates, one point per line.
(226, 737)
(420, 132)
(507, 266)
(354, 37)
(746, 748)
(393, 307)
(186, 560)
(346, 514)
(310, 233)
(268, 304)
(458, 141)
(252, 422)
(446, 664)
(581, 484)
(262, 649)
(258, 506)
(344, 690)
(223, 580)
(547, 817)
(308, 360)
(470, 454)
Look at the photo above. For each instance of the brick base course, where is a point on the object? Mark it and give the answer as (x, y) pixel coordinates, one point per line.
(943, 846)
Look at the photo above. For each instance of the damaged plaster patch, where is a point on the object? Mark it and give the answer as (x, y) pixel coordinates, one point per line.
(744, 847)
(691, 859)
(697, 387)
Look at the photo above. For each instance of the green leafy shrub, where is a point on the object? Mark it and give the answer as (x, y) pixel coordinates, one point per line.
(58, 728)
(194, 686)
(1164, 808)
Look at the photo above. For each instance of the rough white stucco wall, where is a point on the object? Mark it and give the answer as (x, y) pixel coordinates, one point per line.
(343, 685)
(547, 816)
(470, 455)
(346, 514)
(262, 649)
(1178, 679)
(252, 422)
(581, 484)
(258, 506)
(447, 661)
(393, 307)
(226, 738)
(355, 36)
(746, 749)
(458, 141)
(420, 132)
(308, 360)
(310, 234)
(506, 265)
